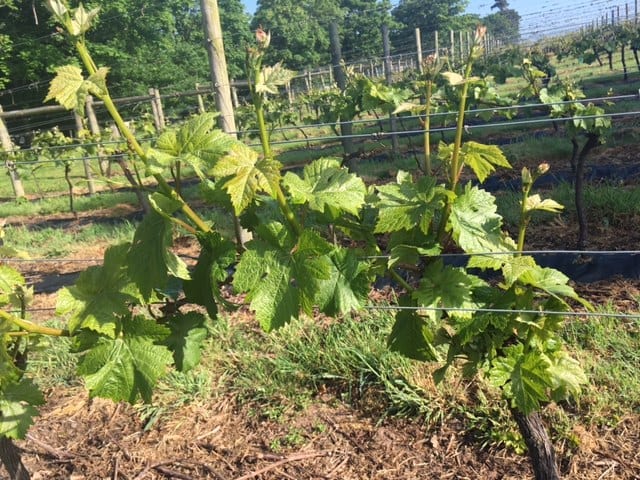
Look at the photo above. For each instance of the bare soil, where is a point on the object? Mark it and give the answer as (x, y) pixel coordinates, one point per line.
(77, 438)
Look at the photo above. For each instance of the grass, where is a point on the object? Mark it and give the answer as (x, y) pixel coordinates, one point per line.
(53, 242)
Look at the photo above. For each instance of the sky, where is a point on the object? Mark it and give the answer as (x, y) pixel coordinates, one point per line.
(543, 17)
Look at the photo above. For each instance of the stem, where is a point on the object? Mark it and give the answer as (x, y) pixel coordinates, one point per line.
(455, 157)
(524, 218)
(32, 327)
(403, 283)
(135, 145)
(267, 152)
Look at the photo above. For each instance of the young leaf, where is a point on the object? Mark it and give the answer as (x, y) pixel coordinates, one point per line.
(188, 333)
(534, 202)
(477, 228)
(100, 296)
(523, 377)
(70, 89)
(567, 376)
(150, 261)
(447, 287)
(270, 78)
(407, 204)
(17, 408)
(483, 159)
(412, 337)
(248, 174)
(57, 7)
(326, 185)
(196, 143)
(9, 279)
(128, 366)
(81, 21)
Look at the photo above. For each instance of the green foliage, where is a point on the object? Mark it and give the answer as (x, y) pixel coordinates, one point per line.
(188, 333)
(126, 365)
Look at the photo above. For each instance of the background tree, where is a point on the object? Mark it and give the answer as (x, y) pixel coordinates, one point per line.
(429, 16)
(361, 27)
(147, 43)
(505, 23)
(299, 30)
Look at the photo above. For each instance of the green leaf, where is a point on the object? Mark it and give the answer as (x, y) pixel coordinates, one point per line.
(81, 21)
(482, 159)
(553, 282)
(196, 143)
(412, 337)
(248, 174)
(57, 7)
(523, 377)
(128, 366)
(453, 78)
(567, 376)
(326, 185)
(215, 256)
(447, 287)
(407, 204)
(17, 408)
(70, 89)
(270, 78)
(9, 280)
(348, 285)
(100, 296)
(282, 276)
(534, 202)
(477, 228)
(150, 261)
(188, 333)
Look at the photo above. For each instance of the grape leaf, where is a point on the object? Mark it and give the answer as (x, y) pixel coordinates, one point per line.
(9, 279)
(248, 174)
(523, 377)
(326, 185)
(412, 337)
(188, 333)
(477, 228)
(128, 366)
(70, 89)
(196, 143)
(282, 276)
(270, 78)
(17, 408)
(348, 286)
(81, 21)
(407, 204)
(149, 260)
(100, 295)
(483, 159)
(567, 376)
(447, 287)
(553, 282)
(215, 256)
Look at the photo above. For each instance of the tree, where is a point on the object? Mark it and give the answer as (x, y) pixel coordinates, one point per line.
(299, 30)
(361, 27)
(128, 36)
(429, 16)
(505, 23)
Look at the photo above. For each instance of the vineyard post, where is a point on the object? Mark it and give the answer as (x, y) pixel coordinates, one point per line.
(94, 128)
(156, 108)
(201, 108)
(234, 96)
(395, 146)
(460, 48)
(436, 43)
(16, 183)
(452, 42)
(346, 128)
(419, 49)
(85, 162)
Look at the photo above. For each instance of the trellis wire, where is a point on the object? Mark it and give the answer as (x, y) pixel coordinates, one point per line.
(505, 311)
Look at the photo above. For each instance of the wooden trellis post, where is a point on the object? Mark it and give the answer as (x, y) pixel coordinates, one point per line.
(85, 162)
(9, 162)
(94, 127)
